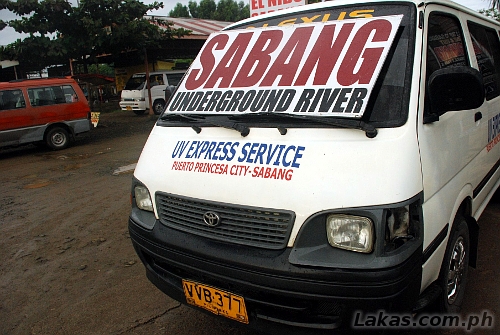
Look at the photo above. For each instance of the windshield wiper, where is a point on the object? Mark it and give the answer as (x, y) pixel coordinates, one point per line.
(212, 120)
(369, 130)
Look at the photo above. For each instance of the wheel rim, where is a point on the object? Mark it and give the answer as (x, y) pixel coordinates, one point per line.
(158, 108)
(58, 139)
(456, 269)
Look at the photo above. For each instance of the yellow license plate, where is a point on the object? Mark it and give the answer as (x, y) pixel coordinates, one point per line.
(217, 301)
(129, 108)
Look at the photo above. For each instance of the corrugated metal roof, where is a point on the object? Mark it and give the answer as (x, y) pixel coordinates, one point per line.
(200, 28)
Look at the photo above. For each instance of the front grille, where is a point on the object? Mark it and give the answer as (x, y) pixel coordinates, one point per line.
(253, 226)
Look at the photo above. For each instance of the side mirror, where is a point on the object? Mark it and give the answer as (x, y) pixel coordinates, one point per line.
(169, 91)
(453, 89)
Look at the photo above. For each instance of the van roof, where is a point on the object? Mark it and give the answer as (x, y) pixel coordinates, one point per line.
(327, 3)
(36, 82)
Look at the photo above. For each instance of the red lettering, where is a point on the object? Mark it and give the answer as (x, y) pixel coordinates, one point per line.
(273, 174)
(371, 56)
(207, 62)
(228, 65)
(325, 54)
(281, 174)
(292, 52)
(259, 57)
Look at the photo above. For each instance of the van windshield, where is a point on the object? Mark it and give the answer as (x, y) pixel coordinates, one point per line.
(136, 82)
(302, 65)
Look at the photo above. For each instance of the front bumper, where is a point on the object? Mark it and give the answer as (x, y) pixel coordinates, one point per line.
(279, 296)
(132, 105)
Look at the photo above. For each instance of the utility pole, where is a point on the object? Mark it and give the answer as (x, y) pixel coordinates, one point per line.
(148, 86)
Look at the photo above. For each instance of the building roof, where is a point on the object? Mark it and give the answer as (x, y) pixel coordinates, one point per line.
(200, 28)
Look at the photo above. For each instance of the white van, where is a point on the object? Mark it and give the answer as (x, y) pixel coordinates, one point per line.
(325, 159)
(134, 96)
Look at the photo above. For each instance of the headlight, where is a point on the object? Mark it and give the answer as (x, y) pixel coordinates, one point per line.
(143, 199)
(350, 232)
(140, 99)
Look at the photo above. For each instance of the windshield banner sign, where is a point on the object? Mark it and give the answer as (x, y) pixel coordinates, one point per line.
(317, 69)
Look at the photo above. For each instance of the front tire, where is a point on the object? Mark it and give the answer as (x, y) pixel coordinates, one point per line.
(454, 270)
(57, 138)
(158, 106)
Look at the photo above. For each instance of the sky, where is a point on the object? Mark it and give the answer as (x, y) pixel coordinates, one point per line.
(8, 35)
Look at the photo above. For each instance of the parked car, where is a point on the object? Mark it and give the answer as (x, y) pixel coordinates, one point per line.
(134, 96)
(50, 111)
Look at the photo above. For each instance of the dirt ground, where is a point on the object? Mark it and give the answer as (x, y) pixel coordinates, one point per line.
(67, 265)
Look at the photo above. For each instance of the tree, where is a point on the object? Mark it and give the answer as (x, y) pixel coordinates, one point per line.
(230, 10)
(193, 8)
(57, 31)
(224, 10)
(179, 11)
(207, 9)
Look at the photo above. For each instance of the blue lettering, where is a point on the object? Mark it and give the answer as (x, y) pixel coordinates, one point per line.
(179, 148)
(277, 161)
(210, 148)
(232, 151)
(298, 154)
(285, 163)
(260, 152)
(252, 152)
(204, 146)
(244, 152)
(190, 152)
(217, 150)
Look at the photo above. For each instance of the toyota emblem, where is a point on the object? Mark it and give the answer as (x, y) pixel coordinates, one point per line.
(212, 219)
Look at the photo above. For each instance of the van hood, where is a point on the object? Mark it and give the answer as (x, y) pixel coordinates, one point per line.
(305, 171)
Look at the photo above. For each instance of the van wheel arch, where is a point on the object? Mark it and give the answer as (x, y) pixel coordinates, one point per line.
(454, 268)
(465, 211)
(463, 233)
(58, 137)
(158, 106)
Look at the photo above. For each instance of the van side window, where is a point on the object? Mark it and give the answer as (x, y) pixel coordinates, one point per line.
(445, 43)
(487, 50)
(11, 99)
(156, 79)
(69, 93)
(174, 78)
(52, 95)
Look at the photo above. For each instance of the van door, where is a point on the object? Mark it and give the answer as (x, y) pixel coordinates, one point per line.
(486, 46)
(157, 85)
(15, 117)
(453, 147)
